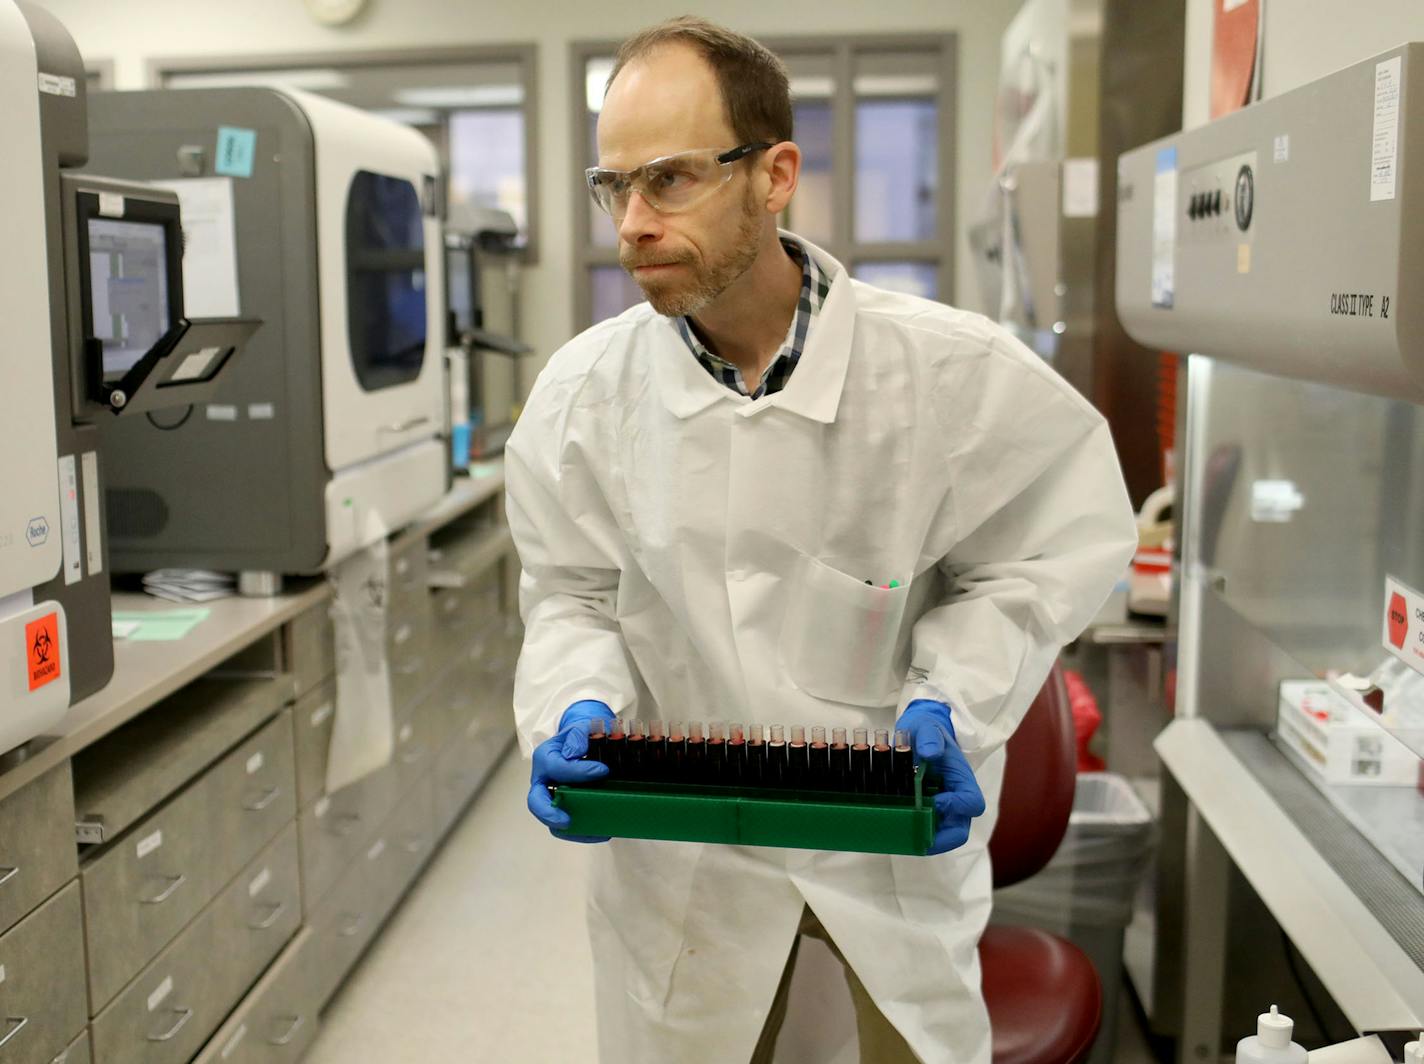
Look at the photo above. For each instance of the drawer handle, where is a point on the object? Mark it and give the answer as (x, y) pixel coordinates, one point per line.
(286, 1039)
(270, 795)
(353, 926)
(403, 634)
(174, 882)
(278, 908)
(18, 1024)
(413, 845)
(414, 754)
(7, 874)
(184, 1015)
(345, 825)
(410, 668)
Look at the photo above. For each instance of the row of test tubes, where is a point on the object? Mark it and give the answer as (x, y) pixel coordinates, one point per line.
(752, 756)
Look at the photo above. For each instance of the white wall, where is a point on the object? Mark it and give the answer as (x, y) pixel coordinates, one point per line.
(1305, 40)
(131, 31)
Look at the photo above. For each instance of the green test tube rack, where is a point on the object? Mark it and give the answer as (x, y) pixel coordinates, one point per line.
(751, 816)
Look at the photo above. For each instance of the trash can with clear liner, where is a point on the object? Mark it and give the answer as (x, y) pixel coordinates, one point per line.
(1085, 893)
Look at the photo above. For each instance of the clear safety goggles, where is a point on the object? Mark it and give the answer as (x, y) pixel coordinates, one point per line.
(669, 184)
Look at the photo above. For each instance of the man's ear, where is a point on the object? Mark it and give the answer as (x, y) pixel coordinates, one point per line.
(782, 166)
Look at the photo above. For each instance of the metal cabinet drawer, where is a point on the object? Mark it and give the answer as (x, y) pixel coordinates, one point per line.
(412, 836)
(346, 920)
(464, 765)
(462, 613)
(277, 1021)
(312, 721)
(408, 656)
(143, 890)
(176, 1003)
(415, 745)
(79, 1052)
(37, 853)
(336, 827)
(42, 981)
(119, 779)
(407, 577)
(311, 647)
(258, 792)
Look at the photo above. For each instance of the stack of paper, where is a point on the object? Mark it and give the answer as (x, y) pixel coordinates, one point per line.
(156, 626)
(189, 585)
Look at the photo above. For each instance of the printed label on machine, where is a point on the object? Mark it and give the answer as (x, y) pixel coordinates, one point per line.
(42, 651)
(1385, 144)
(69, 519)
(1404, 623)
(93, 547)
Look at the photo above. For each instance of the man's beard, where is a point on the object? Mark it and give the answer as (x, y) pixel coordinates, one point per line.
(687, 297)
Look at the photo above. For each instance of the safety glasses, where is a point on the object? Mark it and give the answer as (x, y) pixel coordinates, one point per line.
(669, 184)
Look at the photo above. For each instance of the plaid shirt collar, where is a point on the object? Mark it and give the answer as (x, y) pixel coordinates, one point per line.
(814, 287)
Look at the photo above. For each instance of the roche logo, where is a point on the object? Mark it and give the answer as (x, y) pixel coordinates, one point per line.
(38, 532)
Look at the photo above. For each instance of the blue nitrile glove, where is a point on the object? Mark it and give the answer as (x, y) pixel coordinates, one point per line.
(556, 760)
(961, 800)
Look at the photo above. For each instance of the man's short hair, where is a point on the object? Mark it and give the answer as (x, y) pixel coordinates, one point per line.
(755, 90)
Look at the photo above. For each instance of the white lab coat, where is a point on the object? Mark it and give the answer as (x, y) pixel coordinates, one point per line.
(692, 554)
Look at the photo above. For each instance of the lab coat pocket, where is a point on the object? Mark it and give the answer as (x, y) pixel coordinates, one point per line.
(839, 635)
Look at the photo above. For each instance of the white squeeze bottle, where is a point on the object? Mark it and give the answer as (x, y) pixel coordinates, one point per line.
(1414, 1051)
(1271, 1044)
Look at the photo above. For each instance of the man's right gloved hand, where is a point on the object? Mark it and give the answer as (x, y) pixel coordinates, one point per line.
(556, 760)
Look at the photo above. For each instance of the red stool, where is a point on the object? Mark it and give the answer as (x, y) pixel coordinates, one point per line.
(1044, 996)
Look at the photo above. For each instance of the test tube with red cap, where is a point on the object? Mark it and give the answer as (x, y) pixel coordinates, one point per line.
(695, 760)
(716, 752)
(736, 754)
(613, 746)
(859, 761)
(819, 760)
(902, 763)
(880, 779)
(798, 763)
(756, 755)
(840, 760)
(633, 766)
(655, 752)
(776, 757)
(595, 739)
(674, 770)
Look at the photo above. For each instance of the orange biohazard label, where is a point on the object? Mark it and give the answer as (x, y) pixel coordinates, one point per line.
(42, 650)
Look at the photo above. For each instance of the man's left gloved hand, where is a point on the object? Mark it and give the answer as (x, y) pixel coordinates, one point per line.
(961, 800)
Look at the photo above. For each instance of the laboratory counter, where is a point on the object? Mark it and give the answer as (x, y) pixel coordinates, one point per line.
(183, 810)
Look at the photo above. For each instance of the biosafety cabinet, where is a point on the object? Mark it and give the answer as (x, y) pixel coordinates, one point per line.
(1283, 247)
(321, 220)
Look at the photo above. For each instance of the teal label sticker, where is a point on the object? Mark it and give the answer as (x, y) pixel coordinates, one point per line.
(237, 149)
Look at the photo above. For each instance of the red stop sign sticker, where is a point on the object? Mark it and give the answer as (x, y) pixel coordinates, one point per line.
(1398, 617)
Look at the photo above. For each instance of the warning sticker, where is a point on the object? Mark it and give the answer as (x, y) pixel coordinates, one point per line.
(42, 650)
(1404, 623)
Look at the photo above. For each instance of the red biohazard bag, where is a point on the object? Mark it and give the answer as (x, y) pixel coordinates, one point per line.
(1086, 719)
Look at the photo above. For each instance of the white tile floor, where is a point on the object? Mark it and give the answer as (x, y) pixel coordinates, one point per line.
(488, 960)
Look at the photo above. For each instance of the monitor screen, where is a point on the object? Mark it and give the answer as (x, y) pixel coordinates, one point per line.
(128, 290)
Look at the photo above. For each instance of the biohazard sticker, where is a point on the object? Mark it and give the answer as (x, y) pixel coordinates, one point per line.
(42, 650)
(1404, 623)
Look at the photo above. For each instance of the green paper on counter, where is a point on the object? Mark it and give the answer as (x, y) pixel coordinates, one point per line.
(167, 626)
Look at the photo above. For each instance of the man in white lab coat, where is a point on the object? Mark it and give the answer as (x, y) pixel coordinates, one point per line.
(711, 494)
